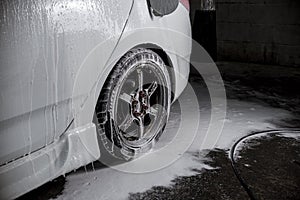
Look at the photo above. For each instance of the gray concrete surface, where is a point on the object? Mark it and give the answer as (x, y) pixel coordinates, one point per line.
(259, 31)
(266, 32)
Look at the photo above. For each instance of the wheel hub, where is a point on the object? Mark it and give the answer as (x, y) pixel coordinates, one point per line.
(140, 104)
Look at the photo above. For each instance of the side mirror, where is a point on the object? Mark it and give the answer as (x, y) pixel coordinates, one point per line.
(163, 7)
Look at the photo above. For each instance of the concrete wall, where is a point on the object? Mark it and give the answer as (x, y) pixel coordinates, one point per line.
(260, 31)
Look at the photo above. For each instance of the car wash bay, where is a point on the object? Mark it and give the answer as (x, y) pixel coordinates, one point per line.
(256, 47)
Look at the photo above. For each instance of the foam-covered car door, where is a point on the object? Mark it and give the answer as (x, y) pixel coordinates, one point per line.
(43, 45)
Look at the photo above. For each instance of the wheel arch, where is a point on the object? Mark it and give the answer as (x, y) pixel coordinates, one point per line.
(153, 47)
(89, 106)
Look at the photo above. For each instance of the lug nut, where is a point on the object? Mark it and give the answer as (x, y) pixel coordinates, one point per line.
(145, 107)
(142, 94)
(136, 114)
(135, 102)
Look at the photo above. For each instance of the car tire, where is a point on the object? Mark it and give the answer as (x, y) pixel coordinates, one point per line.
(134, 104)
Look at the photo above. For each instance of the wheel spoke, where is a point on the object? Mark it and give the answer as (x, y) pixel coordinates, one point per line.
(141, 79)
(151, 89)
(126, 97)
(126, 123)
(153, 111)
(141, 127)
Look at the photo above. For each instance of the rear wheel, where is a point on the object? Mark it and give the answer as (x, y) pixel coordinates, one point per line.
(134, 104)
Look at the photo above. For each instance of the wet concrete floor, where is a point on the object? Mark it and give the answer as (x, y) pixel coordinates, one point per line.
(269, 165)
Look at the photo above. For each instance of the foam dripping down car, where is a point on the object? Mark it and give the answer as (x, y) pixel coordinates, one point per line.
(72, 83)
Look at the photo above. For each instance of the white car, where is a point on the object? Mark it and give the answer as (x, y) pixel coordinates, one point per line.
(77, 76)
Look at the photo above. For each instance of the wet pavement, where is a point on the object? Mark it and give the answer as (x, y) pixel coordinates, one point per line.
(217, 183)
(268, 165)
(260, 98)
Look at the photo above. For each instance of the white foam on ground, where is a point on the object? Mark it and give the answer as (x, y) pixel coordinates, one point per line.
(295, 135)
(108, 183)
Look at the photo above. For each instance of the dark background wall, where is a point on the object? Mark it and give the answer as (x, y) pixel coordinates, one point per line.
(259, 31)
